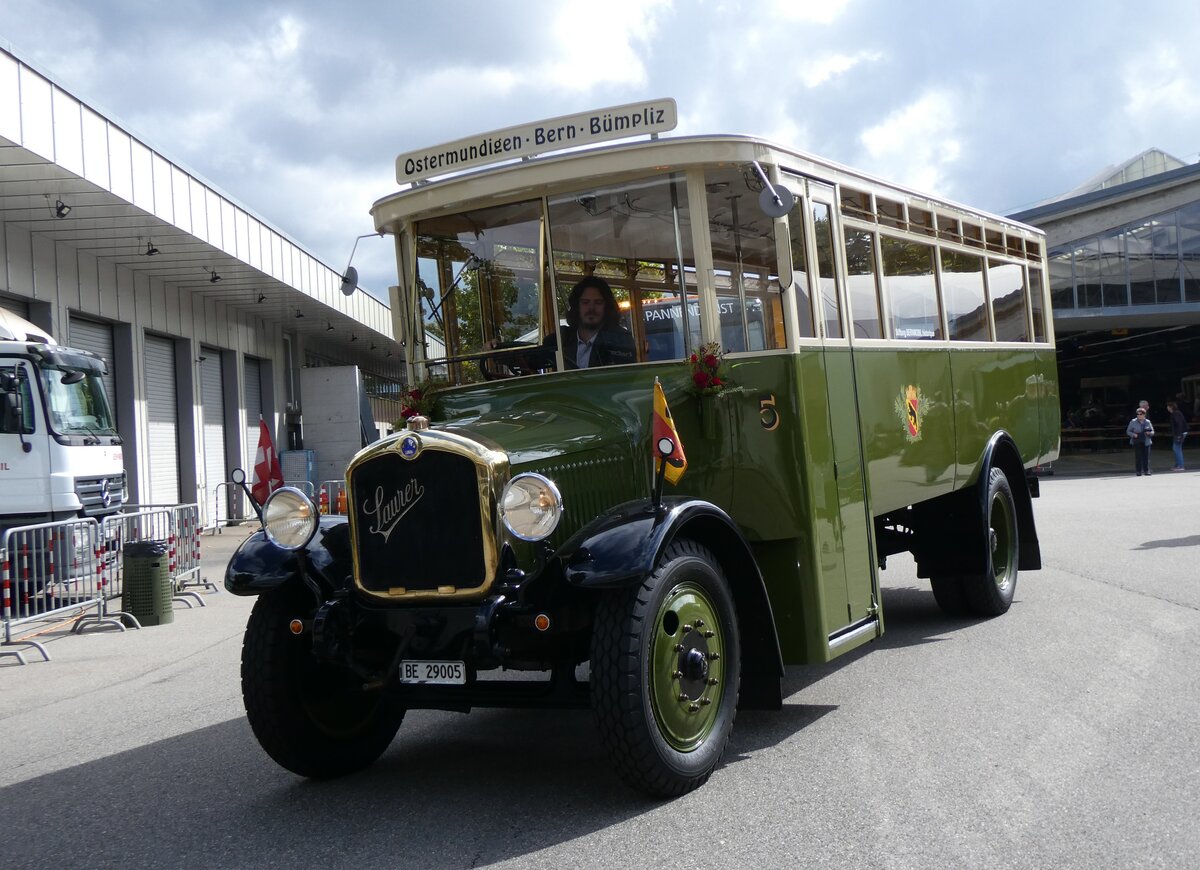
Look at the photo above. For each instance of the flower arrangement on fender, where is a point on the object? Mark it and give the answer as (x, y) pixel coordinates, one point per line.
(708, 369)
(418, 400)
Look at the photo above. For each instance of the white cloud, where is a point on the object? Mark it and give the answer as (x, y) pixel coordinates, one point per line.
(822, 68)
(589, 48)
(916, 145)
(817, 11)
(1159, 84)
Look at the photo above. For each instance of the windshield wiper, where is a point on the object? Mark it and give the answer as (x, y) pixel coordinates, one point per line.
(472, 262)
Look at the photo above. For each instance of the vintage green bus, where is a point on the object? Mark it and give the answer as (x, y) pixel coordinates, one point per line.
(889, 385)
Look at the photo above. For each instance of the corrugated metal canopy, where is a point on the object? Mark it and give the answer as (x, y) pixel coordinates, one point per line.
(126, 200)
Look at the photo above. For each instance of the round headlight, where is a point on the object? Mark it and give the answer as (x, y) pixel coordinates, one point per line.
(289, 518)
(531, 506)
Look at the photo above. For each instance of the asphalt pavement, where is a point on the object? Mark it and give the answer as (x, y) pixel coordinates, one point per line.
(1062, 734)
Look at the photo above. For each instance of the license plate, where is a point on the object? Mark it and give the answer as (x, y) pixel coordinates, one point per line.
(433, 673)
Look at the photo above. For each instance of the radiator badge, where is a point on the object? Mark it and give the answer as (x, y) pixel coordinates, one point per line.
(409, 447)
(388, 512)
(910, 408)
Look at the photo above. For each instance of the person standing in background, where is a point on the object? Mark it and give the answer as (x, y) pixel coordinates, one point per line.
(1139, 431)
(1179, 428)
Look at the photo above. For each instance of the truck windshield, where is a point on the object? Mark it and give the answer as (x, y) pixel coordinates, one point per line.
(77, 405)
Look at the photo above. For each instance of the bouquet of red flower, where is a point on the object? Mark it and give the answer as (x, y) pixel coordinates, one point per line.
(418, 400)
(707, 363)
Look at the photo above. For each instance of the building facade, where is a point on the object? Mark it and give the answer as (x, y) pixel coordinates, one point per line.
(203, 311)
(1124, 258)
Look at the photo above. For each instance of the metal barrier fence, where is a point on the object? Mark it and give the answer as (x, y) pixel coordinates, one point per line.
(50, 571)
(305, 486)
(331, 497)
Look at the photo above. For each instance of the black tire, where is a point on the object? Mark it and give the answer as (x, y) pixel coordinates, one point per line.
(310, 718)
(991, 593)
(657, 663)
(950, 595)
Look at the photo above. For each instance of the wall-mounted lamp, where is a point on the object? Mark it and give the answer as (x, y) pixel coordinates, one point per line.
(374, 346)
(201, 359)
(328, 326)
(299, 313)
(61, 209)
(389, 353)
(262, 297)
(353, 337)
(150, 249)
(213, 277)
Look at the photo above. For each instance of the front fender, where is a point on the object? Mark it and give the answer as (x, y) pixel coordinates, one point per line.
(623, 543)
(259, 566)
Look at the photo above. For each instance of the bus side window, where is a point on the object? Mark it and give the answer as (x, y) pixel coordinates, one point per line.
(1006, 286)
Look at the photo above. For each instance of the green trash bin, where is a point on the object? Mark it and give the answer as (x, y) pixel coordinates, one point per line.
(147, 592)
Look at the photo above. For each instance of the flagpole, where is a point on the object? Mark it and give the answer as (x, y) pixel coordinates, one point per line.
(659, 478)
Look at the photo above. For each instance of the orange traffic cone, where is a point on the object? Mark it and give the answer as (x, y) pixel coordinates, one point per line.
(341, 501)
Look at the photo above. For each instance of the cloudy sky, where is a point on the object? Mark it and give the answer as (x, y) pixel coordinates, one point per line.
(298, 109)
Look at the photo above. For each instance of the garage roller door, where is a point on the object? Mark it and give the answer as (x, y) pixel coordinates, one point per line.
(253, 393)
(162, 420)
(215, 472)
(98, 338)
(18, 307)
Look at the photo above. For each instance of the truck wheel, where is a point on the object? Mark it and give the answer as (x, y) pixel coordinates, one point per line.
(310, 717)
(665, 670)
(991, 593)
(950, 595)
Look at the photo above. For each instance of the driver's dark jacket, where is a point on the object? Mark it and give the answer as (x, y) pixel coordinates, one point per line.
(612, 346)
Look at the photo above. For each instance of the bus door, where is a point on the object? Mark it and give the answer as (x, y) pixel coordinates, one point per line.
(852, 523)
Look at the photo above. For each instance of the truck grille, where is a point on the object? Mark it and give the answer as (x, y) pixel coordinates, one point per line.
(418, 523)
(101, 495)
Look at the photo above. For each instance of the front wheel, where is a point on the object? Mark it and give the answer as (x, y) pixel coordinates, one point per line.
(310, 717)
(665, 670)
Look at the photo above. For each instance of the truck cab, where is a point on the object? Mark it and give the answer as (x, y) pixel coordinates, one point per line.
(60, 454)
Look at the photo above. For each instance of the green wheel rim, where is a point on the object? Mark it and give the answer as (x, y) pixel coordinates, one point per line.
(687, 667)
(1002, 540)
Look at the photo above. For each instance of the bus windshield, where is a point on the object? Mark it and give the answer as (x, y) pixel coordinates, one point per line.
(499, 288)
(77, 403)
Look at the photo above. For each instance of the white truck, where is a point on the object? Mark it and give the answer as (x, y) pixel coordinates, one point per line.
(60, 455)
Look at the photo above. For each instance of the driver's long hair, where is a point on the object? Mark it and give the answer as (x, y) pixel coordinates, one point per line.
(612, 315)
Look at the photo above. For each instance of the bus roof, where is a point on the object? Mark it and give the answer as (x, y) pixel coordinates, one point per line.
(568, 171)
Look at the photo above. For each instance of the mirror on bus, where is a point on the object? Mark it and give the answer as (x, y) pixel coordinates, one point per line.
(776, 201)
(73, 377)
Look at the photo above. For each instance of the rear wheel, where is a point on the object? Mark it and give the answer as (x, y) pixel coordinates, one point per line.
(666, 666)
(949, 594)
(991, 593)
(310, 717)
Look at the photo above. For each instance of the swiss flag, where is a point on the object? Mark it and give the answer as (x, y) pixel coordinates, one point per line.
(268, 476)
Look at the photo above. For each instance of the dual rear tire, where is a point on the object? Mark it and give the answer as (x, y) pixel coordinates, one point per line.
(989, 592)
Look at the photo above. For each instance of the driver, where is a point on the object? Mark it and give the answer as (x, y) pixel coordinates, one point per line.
(594, 335)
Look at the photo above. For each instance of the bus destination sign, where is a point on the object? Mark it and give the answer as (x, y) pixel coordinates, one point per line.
(523, 140)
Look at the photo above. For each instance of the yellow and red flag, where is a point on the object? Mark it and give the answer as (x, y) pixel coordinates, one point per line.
(665, 441)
